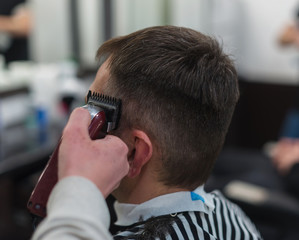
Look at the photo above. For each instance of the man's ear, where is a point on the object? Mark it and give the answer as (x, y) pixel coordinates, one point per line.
(141, 152)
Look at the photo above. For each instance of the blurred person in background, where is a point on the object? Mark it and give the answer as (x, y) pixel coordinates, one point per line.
(15, 26)
(290, 33)
(285, 154)
(285, 157)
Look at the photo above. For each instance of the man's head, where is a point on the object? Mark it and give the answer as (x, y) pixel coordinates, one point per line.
(180, 89)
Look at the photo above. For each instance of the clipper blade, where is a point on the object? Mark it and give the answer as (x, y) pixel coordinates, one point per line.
(110, 105)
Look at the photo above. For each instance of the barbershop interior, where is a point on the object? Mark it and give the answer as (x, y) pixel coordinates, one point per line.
(47, 63)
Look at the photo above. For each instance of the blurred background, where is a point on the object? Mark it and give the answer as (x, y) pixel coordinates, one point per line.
(47, 62)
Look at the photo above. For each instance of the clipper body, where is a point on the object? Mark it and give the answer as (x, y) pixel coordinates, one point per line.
(105, 113)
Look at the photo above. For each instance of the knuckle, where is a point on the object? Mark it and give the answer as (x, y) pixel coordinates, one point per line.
(125, 148)
(71, 130)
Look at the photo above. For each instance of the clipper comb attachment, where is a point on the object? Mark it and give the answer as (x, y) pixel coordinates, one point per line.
(110, 105)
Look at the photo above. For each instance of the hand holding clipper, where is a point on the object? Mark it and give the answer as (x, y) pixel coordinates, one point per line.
(105, 113)
(104, 161)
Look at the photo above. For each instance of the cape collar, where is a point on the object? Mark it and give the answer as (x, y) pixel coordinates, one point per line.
(197, 200)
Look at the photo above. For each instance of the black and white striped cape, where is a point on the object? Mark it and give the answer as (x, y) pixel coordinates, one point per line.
(227, 221)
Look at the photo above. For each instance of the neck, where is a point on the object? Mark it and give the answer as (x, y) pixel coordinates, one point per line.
(142, 189)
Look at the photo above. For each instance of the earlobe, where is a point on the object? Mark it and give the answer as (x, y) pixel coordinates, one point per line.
(140, 154)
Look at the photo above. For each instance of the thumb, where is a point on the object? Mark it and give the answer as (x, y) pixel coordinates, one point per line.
(78, 123)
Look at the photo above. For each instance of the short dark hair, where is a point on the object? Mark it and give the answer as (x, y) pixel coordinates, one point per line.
(178, 86)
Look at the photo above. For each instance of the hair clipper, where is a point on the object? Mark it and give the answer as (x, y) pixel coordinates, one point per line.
(105, 114)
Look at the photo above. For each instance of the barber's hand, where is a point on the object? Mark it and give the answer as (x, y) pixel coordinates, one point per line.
(103, 161)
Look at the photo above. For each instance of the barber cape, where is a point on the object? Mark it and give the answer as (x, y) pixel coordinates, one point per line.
(184, 215)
